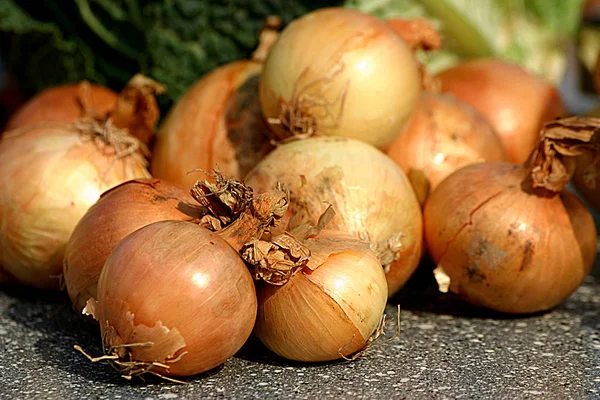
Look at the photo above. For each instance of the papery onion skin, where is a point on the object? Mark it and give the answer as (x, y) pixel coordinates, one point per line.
(369, 75)
(188, 279)
(516, 102)
(62, 104)
(443, 135)
(370, 194)
(51, 177)
(217, 123)
(324, 314)
(589, 190)
(119, 211)
(505, 247)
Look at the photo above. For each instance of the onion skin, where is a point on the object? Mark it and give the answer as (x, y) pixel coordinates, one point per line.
(514, 101)
(324, 314)
(589, 190)
(185, 278)
(370, 76)
(443, 135)
(51, 177)
(369, 192)
(62, 104)
(119, 211)
(505, 246)
(216, 123)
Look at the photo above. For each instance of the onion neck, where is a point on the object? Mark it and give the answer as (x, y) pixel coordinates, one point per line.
(552, 163)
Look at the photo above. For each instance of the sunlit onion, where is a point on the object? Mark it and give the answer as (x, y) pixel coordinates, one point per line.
(513, 100)
(339, 72)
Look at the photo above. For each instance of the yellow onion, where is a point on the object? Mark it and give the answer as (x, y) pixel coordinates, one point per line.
(339, 72)
(217, 123)
(370, 194)
(516, 102)
(182, 291)
(327, 310)
(119, 211)
(64, 104)
(51, 177)
(175, 298)
(510, 237)
(443, 135)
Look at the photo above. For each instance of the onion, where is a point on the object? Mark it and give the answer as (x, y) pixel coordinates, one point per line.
(371, 196)
(120, 211)
(64, 104)
(53, 173)
(510, 237)
(443, 135)
(514, 101)
(339, 72)
(175, 298)
(217, 122)
(588, 182)
(331, 305)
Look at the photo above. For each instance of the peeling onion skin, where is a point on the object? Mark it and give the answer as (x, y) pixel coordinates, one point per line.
(119, 211)
(369, 193)
(444, 134)
(323, 314)
(378, 66)
(61, 104)
(504, 247)
(51, 177)
(516, 102)
(590, 193)
(217, 123)
(190, 280)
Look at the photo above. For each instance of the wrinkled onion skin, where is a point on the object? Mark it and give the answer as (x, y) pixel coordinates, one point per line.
(516, 102)
(217, 123)
(373, 197)
(120, 211)
(50, 178)
(189, 279)
(444, 134)
(379, 67)
(591, 193)
(319, 314)
(60, 104)
(506, 248)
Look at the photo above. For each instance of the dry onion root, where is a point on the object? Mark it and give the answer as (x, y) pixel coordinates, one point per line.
(516, 102)
(371, 196)
(175, 298)
(510, 237)
(339, 72)
(64, 104)
(119, 211)
(323, 295)
(443, 135)
(52, 174)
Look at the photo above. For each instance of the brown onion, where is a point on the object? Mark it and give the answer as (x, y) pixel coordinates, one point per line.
(120, 211)
(510, 237)
(64, 104)
(175, 298)
(327, 310)
(516, 102)
(371, 196)
(341, 72)
(443, 135)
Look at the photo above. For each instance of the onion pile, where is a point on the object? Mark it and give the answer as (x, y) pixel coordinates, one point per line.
(339, 72)
(53, 173)
(514, 101)
(443, 135)
(510, 237)
(64, 104)
(371, 196)
(119, 211)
